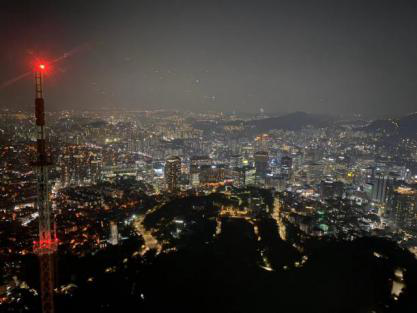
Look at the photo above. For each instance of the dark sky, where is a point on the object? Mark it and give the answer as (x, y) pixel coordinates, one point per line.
(330, 56)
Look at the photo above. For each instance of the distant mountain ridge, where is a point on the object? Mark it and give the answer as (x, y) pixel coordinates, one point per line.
(404, 127)
(292, 121)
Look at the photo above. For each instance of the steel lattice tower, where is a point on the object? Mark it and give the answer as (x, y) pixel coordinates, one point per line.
(47, 245)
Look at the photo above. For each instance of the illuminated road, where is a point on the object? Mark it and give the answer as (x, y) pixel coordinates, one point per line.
(277, 217)
(151, 243)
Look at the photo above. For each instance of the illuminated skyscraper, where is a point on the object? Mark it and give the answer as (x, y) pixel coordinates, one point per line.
(261, 165)
(286, 165)
(114, 234)
(379, 187)
(404, 206)
(196, 162)
(172, 173)
(236, 160)
(211, 174)
(249, 176)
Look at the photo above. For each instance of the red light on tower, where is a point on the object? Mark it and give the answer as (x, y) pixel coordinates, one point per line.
(40, 67)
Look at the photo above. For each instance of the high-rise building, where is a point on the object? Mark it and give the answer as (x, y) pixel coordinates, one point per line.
(278, 182)
(114, 234)
(196, 163)
(211, 174)
(236, 160)
(172, 173)
(249, 176)
(95, 170)
(314, 172)
(404, 206)
(261, 165)
(236, 174)
(286, 165)
(379, 187)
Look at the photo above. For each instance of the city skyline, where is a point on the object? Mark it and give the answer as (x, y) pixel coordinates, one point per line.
(209, 156)
(279, 199)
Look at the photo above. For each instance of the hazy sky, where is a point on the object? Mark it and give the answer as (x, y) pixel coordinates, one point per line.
(330, 56)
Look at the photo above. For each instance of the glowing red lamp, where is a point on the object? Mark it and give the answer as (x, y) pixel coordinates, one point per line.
(41, 67)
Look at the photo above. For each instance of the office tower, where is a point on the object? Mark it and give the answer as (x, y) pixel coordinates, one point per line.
(249, 176)
(95, 170)
(237, 176)
(404, 206)
(286, 165)
(172, 173)
(65, 171)
(114, 234)
(278, 182)
(314, 172)
(236, 160)
(196, 163)
(379, 187)
(261, 165)
(211, 174)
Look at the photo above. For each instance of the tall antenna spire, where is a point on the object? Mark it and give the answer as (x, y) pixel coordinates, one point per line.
(47, 244)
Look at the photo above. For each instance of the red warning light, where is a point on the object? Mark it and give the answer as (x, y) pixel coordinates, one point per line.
(41, 66)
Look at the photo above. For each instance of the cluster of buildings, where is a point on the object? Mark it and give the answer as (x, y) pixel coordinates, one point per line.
(336, 180)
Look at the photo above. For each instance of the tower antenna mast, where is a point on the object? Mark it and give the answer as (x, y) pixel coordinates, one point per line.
(46, 247)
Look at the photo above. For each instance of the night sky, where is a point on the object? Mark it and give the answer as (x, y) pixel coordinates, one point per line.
(335, 56)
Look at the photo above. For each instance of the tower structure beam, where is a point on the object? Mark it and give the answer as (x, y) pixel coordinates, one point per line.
(46, 245)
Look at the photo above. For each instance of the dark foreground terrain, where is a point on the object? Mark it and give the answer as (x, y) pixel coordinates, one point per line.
(228, 274)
